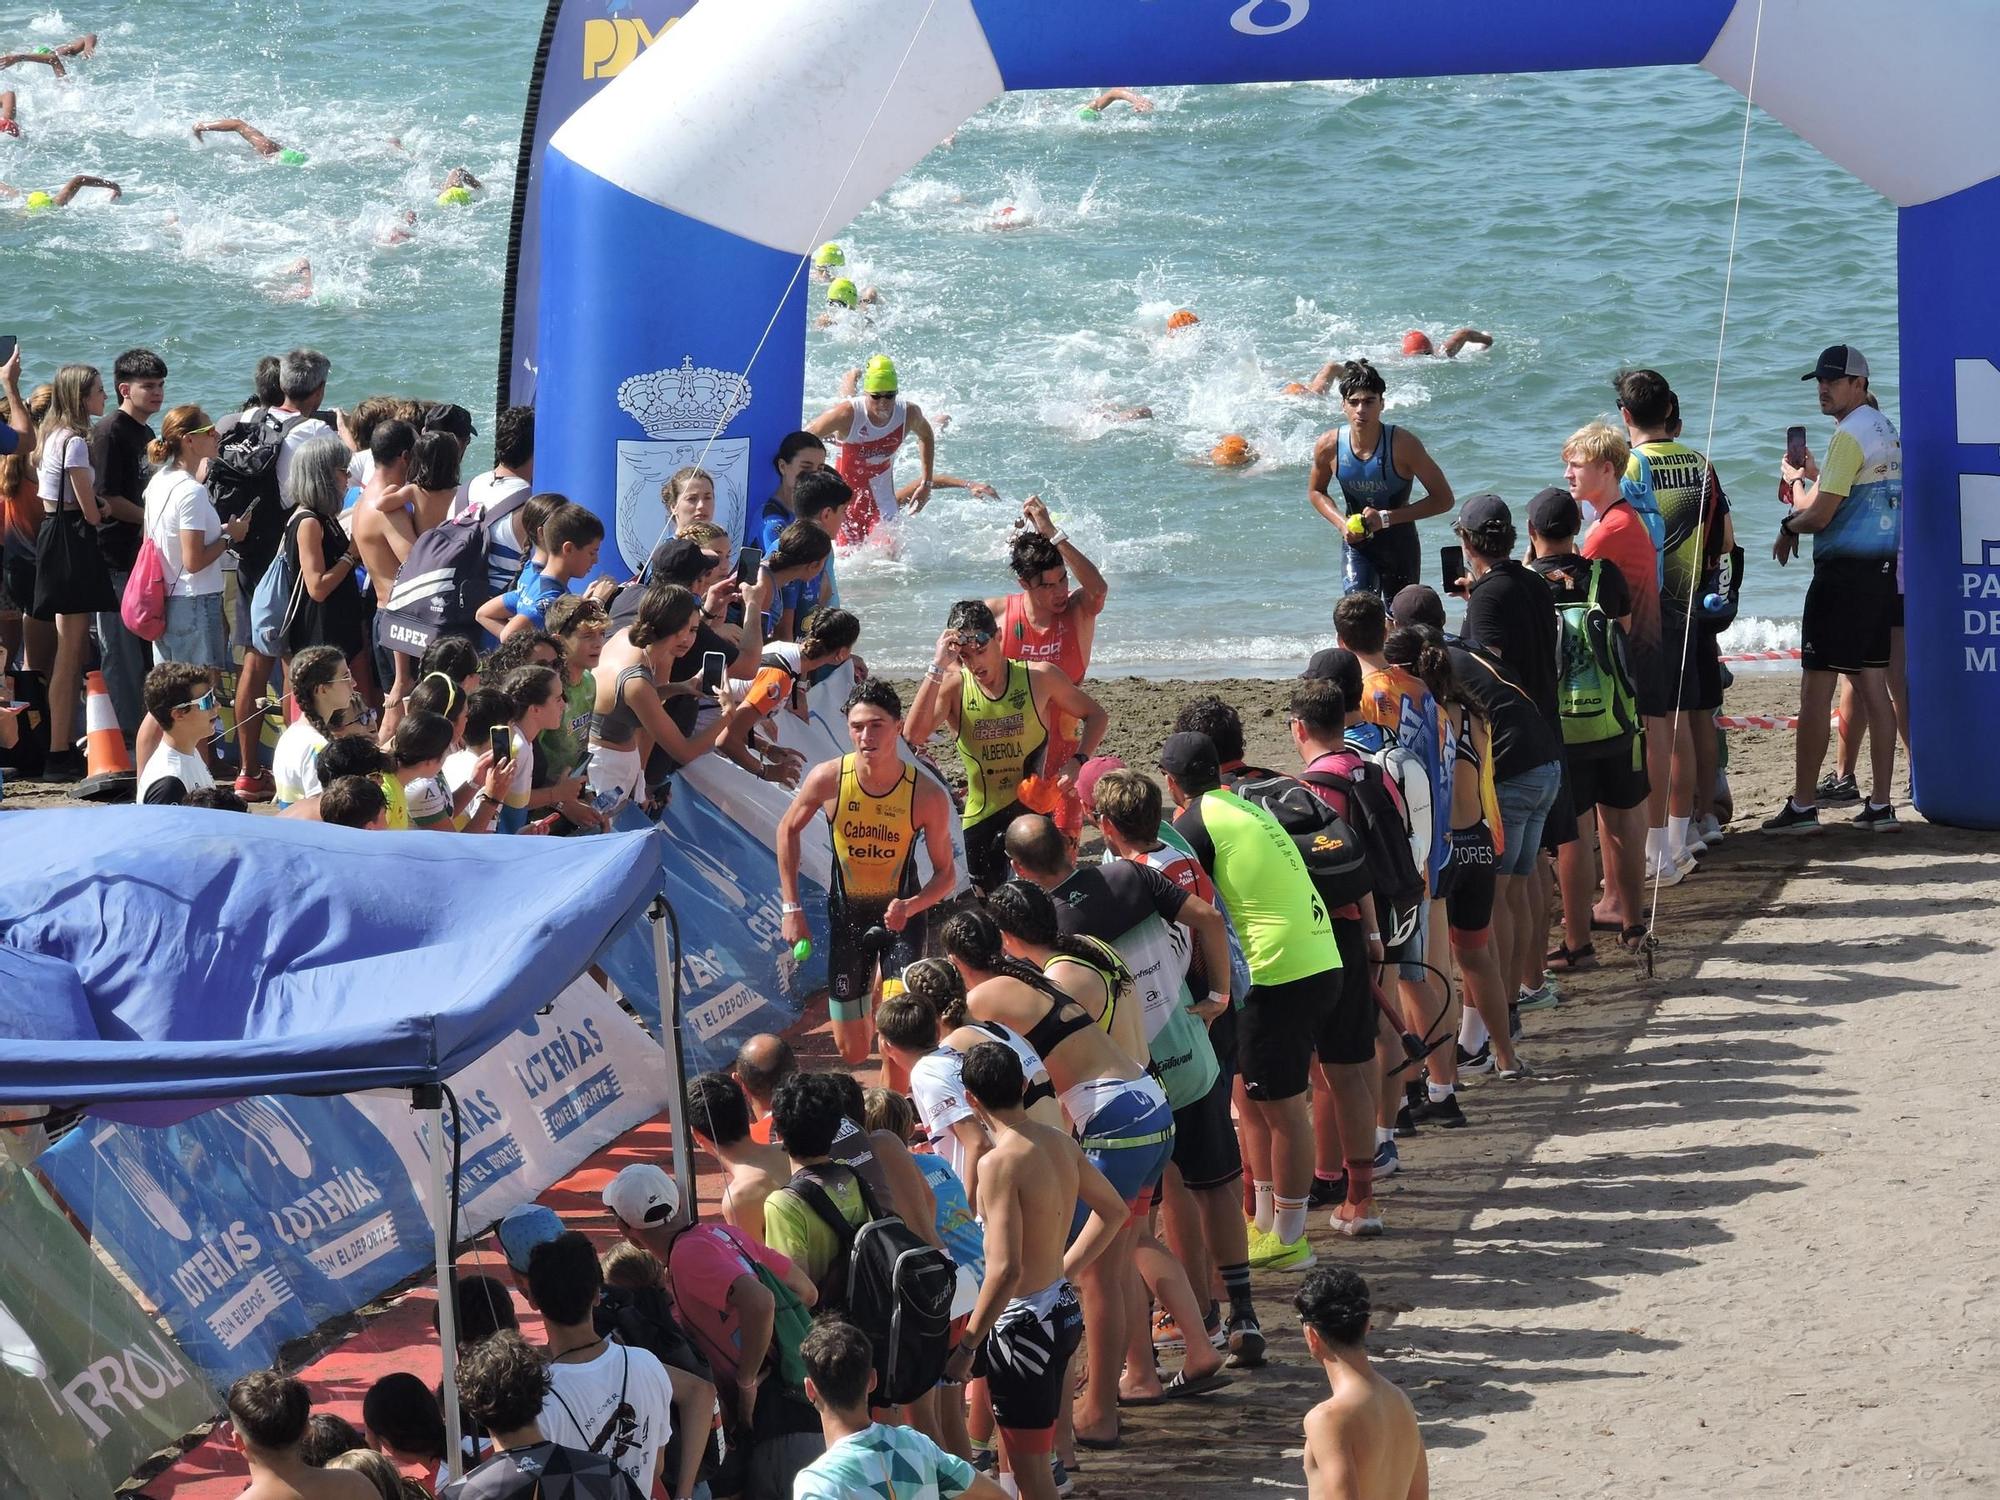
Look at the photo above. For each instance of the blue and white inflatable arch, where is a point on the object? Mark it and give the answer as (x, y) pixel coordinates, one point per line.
(677, 204)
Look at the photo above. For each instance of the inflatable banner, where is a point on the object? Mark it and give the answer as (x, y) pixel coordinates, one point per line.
(89, 1385)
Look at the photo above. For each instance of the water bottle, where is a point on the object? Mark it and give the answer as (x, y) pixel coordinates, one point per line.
(1715, 604)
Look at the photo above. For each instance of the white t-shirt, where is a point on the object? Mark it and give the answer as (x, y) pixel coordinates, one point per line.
(63, 450)
(166, 763)
(175, 502)
(504, 549)
(295, 762)
(583, 1397)
(360, 467)
(296, 439)
(937, 1086)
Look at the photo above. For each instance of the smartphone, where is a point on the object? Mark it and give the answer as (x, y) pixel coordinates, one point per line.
(1451, 564)
(8, 342)
(748, 561)
(502, 740)
(713, 663)
(1795, 447)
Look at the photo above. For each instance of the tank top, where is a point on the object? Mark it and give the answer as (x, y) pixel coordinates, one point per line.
(1372, 480)
(874, 836)
(868, 463)
(1061, 645)
(618, 724)
(999, 739)
(1105, 963)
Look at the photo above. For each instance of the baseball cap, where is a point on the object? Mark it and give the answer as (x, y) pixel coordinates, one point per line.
(1417, 604)
(1092, 773)
(1554, 513)
(678, 560)
(1485, 516)
(1837, 360)
(1190, 756)
(523, 1228)
(642, 1195)
(1339, 666)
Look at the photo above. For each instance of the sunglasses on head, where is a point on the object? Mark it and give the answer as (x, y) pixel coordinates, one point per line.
(976, 638)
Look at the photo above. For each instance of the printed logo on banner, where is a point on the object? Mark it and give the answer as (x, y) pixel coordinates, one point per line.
(113, 1147)
(681, 411)
(1977, 392)
(568, 1078)
(729, 1009)
(133, 1375)
(610, 45)
(274, 1131)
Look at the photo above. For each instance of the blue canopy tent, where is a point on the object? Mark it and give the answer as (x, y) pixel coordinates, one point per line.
(178, 954)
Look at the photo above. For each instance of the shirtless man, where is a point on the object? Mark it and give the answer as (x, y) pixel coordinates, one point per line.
(267, 1422)
(1362, 1442)
(1415, 343)
(718, 1117)
(261, 143)
(384, 531)
(1027, 1322)
(63, 194)
(1141, 105)
(870, 429)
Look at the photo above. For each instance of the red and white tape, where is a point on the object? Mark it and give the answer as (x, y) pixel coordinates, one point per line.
(1757, 721)
(1784, 655)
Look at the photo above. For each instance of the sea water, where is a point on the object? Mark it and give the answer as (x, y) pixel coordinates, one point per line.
(1582, 219)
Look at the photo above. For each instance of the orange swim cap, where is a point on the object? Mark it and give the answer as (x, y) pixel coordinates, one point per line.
(1294, 389)
(1181, 319)
(1232, 452)
(1416, 341)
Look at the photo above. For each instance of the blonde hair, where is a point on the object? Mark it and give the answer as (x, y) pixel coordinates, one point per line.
(885, 1109)
(66, 406)
(1599, 443)
(631, 1267)
(379, 1471)
(176, 427)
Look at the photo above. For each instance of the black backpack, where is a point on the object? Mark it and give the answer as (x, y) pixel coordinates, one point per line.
(243, 476)
(643, 1318)
(444, 580)
(1382, 830)
(891, 1285)
(1335, 858)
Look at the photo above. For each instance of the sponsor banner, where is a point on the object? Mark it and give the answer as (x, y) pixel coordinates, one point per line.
(251, 1224)
(89, 1385)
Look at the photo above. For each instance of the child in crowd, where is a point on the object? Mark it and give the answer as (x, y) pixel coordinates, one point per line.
(579, 623)
(571, 538)
(535, 695)
(417, 798)
(181, 698)
(324, 688)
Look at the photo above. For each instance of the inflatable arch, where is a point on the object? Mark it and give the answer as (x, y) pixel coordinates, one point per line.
(678, 203)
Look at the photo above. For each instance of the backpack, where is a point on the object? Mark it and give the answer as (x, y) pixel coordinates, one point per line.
(1375, 813)
(894, 1286)
(1405, 768)
(444, 580)
(643, 1318)
(243, 476)
(272, 604)
(1334, 857)
(1594, 687)
(144, 607)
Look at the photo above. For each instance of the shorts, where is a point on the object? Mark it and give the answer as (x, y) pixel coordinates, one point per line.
(194, 632)
(1700, 676)
(852, 961)
(1559, 827)
(1345, 1034)
(1205, 1146)
(1130, 1139)
(1025, 1360)
(1525, 801)
(1275, 1031)
(1608, 778)
(1850, 609)
(985, 858)
(1896, 611)
(1468, 905)
(1648, 665)
(1409, 955)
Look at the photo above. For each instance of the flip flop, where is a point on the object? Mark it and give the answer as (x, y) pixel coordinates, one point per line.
(1159, 1400)
(1564, 959)
(1180, 1386)
(1097, 1445)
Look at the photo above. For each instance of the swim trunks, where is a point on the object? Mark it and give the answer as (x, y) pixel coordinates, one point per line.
(1025, 1360)
(1205, 1145)
(1275, 1031)
(8, 127)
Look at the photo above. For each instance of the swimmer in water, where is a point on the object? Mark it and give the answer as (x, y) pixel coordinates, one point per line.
(261, 143)
(1416, 344)
(1007, 216)
(843, 299)
(51, 57)
(62, 195)
(1111, 412)
(829, 262)
(300, 290)
(973, 487)
(7, 124)
(1141, 105)
(458, 187)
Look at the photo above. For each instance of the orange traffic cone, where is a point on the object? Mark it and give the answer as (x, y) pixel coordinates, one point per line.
(108, 765)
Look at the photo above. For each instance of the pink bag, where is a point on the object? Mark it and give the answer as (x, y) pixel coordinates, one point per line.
(144, 607)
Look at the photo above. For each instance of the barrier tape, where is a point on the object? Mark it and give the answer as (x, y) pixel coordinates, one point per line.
(1756, 721)
(1791, 654)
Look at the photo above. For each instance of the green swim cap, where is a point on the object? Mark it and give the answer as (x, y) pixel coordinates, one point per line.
(829, 254)
(1087, 114)
(459, 195)
(44, 50)
(39, 200)
(880, 376)
(291, 156)
(844, 292)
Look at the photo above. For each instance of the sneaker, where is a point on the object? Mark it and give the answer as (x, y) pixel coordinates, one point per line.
(1387, 1162)
(61, 768)
(1324, 1194)
(1246, 1341)
(1406, 1123)
(1670, 873)
(1472, 1064)
(985, 1460)
(257, 788)
(1541, 998)
(1167, 1336)
(1519, 1070)
(1877, 819)
(1366, 1226)
(1792, 818)
(1269, 1253)
(1684, 858)
(1218, 1335)
(1711, 830)
(1837, 790)
(1060, 1475)
(1444, 1113)
(1513, 1022)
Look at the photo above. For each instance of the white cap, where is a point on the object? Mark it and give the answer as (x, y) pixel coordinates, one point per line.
(642, 1196)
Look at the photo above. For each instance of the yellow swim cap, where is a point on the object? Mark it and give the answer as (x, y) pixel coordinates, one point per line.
(844, 292)
(457, 195)
(829, 254)
(880, 376)
(39, 200)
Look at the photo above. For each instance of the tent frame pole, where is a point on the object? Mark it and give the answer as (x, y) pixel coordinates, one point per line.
(430, 1096)
(670, 1045)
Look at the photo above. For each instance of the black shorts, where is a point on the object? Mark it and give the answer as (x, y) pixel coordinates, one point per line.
(1346, 1031)
(852, 959)
(1205, 1145)
(985, 860)
(1275, 1032)
(1468, 904)
(1700, 675)
(1850, 609)
(1025, 1360)
(1608, 778)
(1559, 827)
(1650, 682)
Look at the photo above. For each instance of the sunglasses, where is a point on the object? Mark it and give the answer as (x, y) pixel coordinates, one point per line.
(976, 639)
(198, 431)
(343, 718)
(881, 395)
(206, 703)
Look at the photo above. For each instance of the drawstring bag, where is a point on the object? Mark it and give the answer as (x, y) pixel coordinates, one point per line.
(144, 607)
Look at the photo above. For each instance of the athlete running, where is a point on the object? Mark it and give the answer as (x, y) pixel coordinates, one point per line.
(880, 806)
(870, 429)
(1375, 466)
(1000, 711)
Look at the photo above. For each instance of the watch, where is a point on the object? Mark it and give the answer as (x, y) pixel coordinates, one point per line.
(1785, 524)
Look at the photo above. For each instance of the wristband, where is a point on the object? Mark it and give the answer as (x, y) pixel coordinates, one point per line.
(1222, 995)
(1374, 937)
(1785, 524)
(1059, 538)
(934, 672)
(789, 907)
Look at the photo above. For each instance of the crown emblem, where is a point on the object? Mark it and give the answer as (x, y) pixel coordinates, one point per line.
(684, 402)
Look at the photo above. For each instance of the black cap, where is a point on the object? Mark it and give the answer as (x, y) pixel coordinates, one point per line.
(1417, 604)
(1836, 361)
(1553, 513)
(1339, 666)
(1483, 514)
(678, 560)
(1190, 758)
(445, 416)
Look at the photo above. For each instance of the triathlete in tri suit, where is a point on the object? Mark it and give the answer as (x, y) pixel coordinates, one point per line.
(879, 807)
(1001, 711)
(1047, 621)
(1375, 467)
(870, 429)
